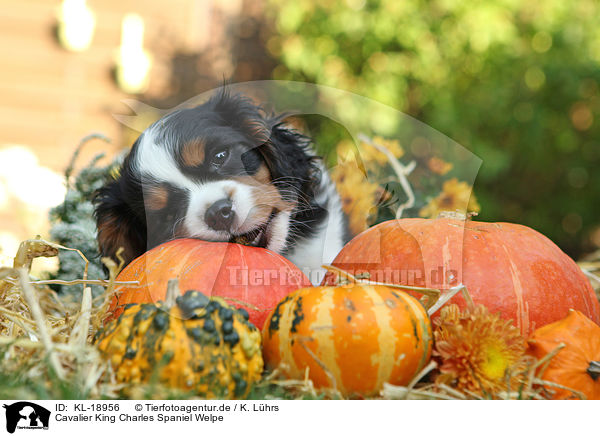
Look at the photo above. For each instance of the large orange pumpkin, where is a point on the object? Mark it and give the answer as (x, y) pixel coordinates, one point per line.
(577, 365)
(352, 338)
(251, 278)
(509, 268)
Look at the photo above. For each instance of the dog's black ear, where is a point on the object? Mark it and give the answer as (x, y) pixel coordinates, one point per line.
(117, 223)
(289, 160)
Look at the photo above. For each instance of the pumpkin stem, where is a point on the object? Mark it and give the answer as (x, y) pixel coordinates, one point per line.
(430, 295)
(432, 298)
(456, 215)
(594, 369)
(452, 214)
(172, 293)
(342, 277)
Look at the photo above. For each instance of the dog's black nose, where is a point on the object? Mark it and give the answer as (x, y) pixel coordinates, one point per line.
(220, 215)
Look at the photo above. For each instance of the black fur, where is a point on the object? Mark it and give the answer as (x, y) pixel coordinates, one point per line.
(120, 204)
(290, 161)
(225, 119)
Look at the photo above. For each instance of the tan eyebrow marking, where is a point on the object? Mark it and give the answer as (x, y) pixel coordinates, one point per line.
(156, 198)
(192, 154)
(262, 175)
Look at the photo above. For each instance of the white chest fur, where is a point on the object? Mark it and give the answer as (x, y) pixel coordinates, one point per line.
(310, 253)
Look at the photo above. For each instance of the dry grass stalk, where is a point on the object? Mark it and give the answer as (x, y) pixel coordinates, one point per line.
(80, 332)
(297, 388)
(36, 324)
(401, 171)
(44, 332)
(407, 392)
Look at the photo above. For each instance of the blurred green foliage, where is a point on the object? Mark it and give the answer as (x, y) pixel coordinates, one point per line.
(515, 82)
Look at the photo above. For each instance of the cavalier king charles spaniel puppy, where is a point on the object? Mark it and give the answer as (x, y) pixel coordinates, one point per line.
(223, 171)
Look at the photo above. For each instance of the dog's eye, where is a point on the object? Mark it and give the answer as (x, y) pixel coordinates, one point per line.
(219, 158)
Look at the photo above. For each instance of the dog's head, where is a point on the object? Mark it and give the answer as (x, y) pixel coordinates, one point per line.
(222, 171)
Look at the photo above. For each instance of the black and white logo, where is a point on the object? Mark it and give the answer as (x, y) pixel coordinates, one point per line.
(26, 415)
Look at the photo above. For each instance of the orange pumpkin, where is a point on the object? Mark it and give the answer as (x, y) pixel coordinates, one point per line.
(352, 338)
(508, 268)
(251, 278)
(577, 365)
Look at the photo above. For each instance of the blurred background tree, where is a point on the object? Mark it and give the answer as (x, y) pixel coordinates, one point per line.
(515, 82)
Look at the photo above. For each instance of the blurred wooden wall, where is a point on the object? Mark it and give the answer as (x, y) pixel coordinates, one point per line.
(50, 98)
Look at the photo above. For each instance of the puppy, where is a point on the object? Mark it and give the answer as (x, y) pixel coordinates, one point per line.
(223, 171)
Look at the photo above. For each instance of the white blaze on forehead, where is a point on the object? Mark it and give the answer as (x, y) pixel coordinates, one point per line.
(156, 161)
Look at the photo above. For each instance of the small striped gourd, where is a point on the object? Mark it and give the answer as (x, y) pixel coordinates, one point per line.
(200, 344)
(352, 338)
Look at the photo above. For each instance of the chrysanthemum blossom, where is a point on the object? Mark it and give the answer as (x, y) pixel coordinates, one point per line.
(479, 352)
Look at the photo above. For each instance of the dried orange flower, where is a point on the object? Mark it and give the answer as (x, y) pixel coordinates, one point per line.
(479, 351)
(439, 166)
(455, 196)
(359, 196)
